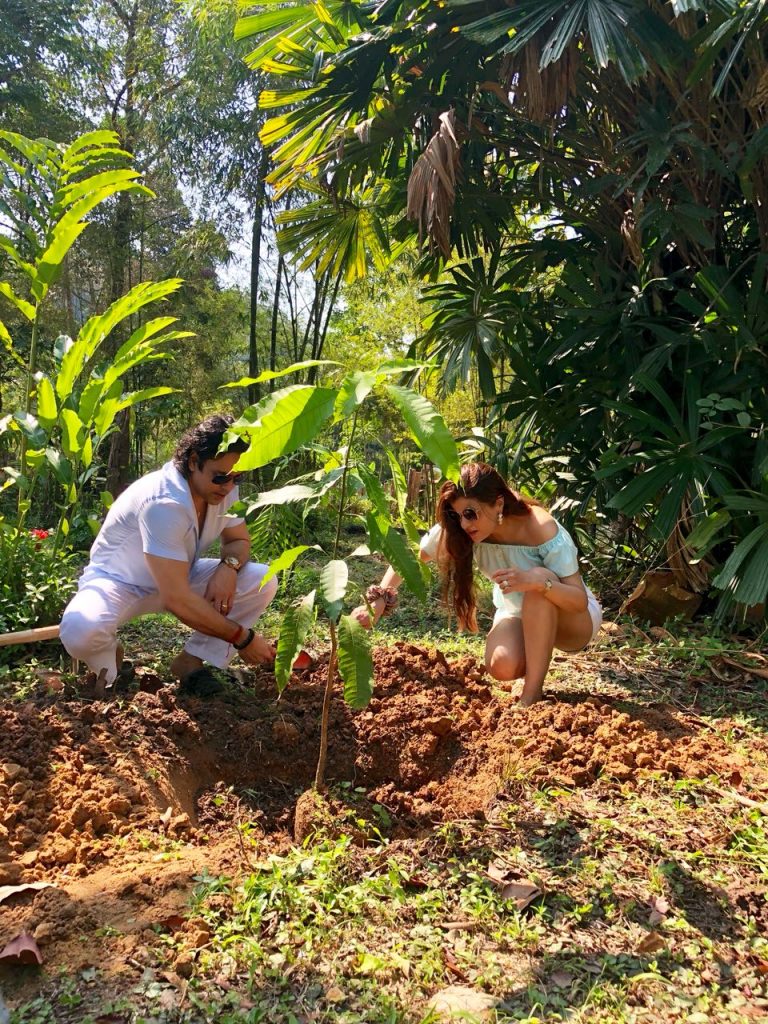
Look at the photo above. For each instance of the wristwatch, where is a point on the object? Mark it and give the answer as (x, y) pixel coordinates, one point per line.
(232, 562)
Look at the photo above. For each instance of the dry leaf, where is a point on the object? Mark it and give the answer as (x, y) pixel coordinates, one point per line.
(173, 922)
(652, 943)
(523, 893)
(561, 978)
(21, 950)
(457, 1002)
(6, 891)
(659, 908)
(335, 995)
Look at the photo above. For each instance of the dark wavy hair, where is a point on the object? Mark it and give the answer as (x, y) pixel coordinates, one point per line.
(205, 441)
(483, 483)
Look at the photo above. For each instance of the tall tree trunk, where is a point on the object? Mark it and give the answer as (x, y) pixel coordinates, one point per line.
(273, 328)
(254, 390)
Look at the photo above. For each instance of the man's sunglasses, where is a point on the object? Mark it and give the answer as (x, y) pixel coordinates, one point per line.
(470, 514)
(226, 478)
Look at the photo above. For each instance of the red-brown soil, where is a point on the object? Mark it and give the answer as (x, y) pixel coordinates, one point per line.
(121, 804)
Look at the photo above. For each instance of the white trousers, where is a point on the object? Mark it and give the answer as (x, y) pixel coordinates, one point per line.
(91, 619)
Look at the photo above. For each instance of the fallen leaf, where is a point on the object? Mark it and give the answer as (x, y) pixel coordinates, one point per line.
(6, 891)
(652, 943)
(335, 995)
(659, 908)
(172, 923)
(21, 950)
(561, 978)
(452, 965)
(499, 871)
(523, 893)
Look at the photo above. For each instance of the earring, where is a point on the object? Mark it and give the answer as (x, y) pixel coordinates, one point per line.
(500, 517)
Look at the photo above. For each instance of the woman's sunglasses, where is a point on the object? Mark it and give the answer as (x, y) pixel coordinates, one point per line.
(470, 514)
(226, 478)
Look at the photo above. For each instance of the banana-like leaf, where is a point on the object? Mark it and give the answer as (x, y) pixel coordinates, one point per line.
(701, 536)
(297, 622)
(265, 375)
(98, 328)
(332, 588)
(428, 429)
(286, 560)
(355, 662)
(282, 422)
(297, 492)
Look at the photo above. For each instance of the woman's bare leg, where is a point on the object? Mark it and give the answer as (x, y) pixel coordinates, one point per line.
(539, 621)
(504, 652)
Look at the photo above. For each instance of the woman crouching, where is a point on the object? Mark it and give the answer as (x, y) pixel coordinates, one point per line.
(540, 598)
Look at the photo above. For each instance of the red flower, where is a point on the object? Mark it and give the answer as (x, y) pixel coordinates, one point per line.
(39, 535)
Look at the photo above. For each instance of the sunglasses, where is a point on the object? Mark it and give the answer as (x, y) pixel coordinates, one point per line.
(226, 478)
(470, 514)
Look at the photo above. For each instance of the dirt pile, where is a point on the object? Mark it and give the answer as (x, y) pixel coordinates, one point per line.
(435, 741)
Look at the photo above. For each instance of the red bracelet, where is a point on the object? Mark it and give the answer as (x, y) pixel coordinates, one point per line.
(236, 635)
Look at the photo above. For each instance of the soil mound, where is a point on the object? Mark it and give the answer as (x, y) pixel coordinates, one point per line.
(436, 741)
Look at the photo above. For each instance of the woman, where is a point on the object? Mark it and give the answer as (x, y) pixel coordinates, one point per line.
(541, 600)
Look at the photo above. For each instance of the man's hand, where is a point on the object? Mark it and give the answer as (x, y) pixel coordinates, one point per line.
(259, 651)
(221, 588)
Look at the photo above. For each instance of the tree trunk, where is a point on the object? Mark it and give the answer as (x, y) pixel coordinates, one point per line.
(254, 390)
(273, 329)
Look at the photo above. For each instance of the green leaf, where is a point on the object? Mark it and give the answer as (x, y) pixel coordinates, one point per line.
(47, 410)
(71, 427)
(297, 492)
(384, 537)
(283, 422)
(333, 586)
(31, 429)
(751, 585)
(29, 311)
(428, 429)
(701, 536)
(286, 559)
(353, 390)
(245, 382)
(7, 342)
(297, 622)
(355, 662)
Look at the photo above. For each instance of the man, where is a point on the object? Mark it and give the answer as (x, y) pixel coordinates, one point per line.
(146, 558)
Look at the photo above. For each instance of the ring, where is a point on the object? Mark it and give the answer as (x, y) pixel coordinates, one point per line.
(224, 607)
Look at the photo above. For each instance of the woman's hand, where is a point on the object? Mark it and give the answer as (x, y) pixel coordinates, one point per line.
(522, 580)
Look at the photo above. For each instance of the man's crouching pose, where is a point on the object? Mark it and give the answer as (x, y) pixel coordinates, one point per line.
(146, 558)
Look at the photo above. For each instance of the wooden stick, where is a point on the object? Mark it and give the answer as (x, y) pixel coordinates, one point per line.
(29, 636)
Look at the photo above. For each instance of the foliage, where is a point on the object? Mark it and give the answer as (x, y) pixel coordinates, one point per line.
(66, 416)
(36, 580)
(623, 338)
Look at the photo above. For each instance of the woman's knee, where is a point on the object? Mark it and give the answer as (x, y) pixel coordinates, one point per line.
(504, 666)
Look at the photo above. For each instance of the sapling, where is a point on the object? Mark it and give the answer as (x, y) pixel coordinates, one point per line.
(289, 419)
